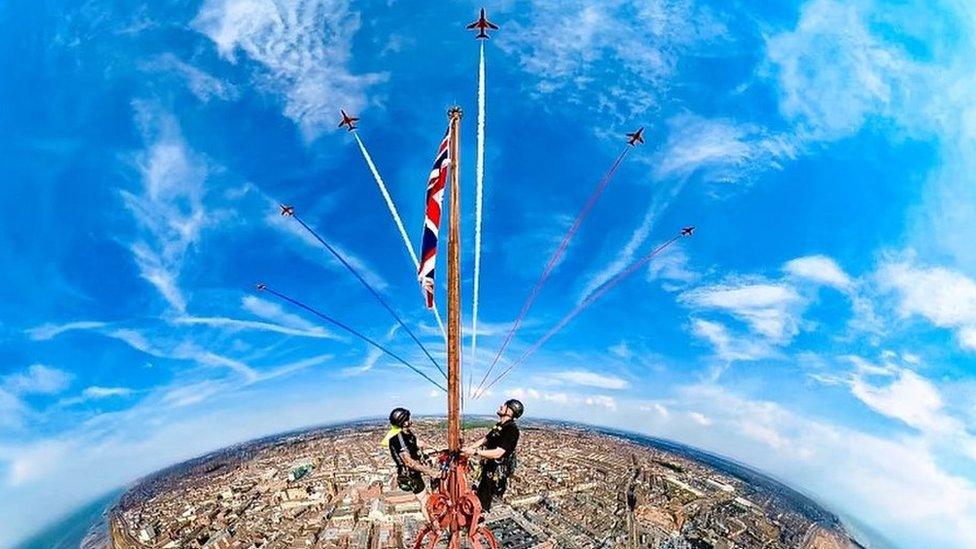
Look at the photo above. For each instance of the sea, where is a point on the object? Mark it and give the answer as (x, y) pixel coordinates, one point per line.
(86, 528)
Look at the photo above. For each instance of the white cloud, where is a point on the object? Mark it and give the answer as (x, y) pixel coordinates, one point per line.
(37, 379)
(834, 74)
(718, 150)
(621, 350)
(304, 47)
(203, 85)
(944, 297)
(237, 324)
(909, 398)
(563, 399)
(274, 312)
(169, 208)
(770, 309)
(728, 347)
(190, 351)
(902, 394)
(605, 401)
(12, 409)
(820, 269)
(571, 47)
(627, 254)
(673, 268)
(182, 350)
(372, 357)
(859, 474)
(49, 331)
(105, 392)
(656, 407)
(96, 393)
(853, 472)
(589, 379)
(136, 340)
(700, 418)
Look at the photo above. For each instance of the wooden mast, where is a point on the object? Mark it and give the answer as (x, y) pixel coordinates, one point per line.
(454, 509)
(454, 290)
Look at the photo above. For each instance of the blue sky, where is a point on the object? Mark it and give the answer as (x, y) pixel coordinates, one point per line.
(820, 325)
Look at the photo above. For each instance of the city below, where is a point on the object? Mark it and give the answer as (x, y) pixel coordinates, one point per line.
(574, 487)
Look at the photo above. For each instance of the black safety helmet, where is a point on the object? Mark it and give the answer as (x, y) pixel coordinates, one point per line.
(399, 417)
(516, 407)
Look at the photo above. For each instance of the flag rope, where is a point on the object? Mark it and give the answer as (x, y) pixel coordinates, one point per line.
(553, 261)
(367, 339)
(371, 289)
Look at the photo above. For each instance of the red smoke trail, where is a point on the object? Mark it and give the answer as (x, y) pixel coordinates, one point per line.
(589, 300)
(554, 260)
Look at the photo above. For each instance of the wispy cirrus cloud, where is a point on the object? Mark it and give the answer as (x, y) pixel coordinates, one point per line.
(585, 378)
(276, 320)
(182, 349)
(719, 150)
(168, 208)
(606, 402)
(203, 85)
(304, 49)
(834, 73)
(898, 391)
(571, 48)
(728, 346)
(235, 324)
(944, 297)
(37, 379)
(96, 393)
(769, 309)
(50, 331)
(711, 150)
(819, 269)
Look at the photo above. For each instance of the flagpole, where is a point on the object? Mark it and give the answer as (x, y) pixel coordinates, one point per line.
(454, 290)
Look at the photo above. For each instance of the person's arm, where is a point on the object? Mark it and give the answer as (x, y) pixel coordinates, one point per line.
(470, 449)
(496, 453)
(417, 466)
(506, 444)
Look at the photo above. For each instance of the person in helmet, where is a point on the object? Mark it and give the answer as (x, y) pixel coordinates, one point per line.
(406, 453)
(497, 453)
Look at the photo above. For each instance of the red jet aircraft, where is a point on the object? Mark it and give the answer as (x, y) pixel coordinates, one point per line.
(483, 25)
(347, 120)
(636, 137)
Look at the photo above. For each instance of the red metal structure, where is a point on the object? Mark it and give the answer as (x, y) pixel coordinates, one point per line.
(454, 509)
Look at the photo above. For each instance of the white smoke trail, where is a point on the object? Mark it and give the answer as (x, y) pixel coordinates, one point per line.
(396, 218)
(479, 183)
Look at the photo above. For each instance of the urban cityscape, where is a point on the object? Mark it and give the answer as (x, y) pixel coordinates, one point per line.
(573, 487)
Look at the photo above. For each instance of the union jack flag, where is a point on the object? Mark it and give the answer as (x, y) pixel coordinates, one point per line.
(432, 219)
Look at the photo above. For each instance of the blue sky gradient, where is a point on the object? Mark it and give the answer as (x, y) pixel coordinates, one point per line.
(820, 325)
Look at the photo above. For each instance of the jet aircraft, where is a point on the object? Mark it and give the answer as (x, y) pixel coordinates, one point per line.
(349, 121)
(636, 137)
(483, 25)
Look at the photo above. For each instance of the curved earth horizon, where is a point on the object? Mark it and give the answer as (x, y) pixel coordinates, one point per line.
(737, 227)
